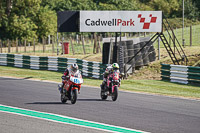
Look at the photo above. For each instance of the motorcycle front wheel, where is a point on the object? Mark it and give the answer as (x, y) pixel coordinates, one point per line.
(63, 98)
(103, 96)
(74, 95)
(115, 93)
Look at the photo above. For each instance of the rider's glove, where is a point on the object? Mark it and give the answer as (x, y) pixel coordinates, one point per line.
(121, 75)
(63, 77)
(67, 77)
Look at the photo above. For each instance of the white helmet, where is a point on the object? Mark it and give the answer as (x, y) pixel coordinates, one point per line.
(74, 67)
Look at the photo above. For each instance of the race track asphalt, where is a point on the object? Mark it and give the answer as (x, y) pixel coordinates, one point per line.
(151, 113)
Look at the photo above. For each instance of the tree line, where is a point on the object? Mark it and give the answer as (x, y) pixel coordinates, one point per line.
(33, 19)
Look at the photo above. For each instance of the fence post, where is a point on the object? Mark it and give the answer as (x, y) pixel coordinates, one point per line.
(169, 40)
(87, 39)
(49, 39)
(82, 38)
(101, 37)
(158, 48)
(53, 51)
(57, 45)
(34, 45)
(1, 45)
(77, 38)
(72, 45)
(8, 42)
(25, 45)
(16, 45)
(92, 38)
(62, 45)
(29, 47)
(95, 43)
(173, 40)
(110, 50)
(43, 43)
(99, 45)
(190, 36)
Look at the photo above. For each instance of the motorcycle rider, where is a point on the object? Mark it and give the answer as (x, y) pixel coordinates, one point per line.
(109, 70)
(73, 70)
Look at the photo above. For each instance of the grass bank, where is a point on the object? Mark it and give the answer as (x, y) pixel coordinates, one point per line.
(147, 86)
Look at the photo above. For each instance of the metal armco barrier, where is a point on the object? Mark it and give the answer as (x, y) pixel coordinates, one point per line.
(88, 69)
(180, 74)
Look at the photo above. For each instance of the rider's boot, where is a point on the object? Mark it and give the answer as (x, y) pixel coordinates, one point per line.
(61, 88)
(104, 82)
(103, 85)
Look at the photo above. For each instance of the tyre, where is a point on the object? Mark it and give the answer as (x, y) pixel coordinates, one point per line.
(130, 55)
(129, 44)
(121, 58)
(74, 95)
(130, 52)
(145, 59)
(145, 55)
(125, 54)
(138, 57)
(63, 98)
(103, 96)
(152, 55)
(115, 93)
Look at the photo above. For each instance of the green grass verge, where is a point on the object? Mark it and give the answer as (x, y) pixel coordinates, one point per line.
(148, 86)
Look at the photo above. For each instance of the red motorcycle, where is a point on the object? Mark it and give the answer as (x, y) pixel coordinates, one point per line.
(71, 88)
(111, 87)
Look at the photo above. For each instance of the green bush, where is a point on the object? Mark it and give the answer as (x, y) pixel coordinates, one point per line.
(178, 22)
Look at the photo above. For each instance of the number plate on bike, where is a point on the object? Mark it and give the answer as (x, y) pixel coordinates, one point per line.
(76, 80)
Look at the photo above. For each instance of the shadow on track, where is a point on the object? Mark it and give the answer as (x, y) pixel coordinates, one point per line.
(10, 78)
(46, 103)
(91, 100)
(27, 77)
(58, 103)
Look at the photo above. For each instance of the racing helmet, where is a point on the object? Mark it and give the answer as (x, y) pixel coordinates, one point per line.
(115, 66)
(74, 67)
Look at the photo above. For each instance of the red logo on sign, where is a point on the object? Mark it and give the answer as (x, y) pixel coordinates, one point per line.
(147, 24)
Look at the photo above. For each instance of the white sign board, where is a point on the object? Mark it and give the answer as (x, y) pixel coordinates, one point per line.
(120, 21)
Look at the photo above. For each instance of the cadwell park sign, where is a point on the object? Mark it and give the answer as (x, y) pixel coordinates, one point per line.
(120, 21)
(110, 21)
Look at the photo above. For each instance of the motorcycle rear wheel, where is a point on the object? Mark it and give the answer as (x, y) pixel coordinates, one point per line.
(74, 95)
(115, 93)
